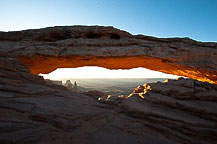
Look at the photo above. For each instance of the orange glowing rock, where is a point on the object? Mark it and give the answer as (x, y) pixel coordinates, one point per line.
(45, 50)
(46, 64)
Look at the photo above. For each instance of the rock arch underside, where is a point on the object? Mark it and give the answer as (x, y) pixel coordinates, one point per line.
(44, 50)
(33, 110)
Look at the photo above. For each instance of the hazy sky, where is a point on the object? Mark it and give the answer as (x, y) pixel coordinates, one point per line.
(98, 72)
(196, 19)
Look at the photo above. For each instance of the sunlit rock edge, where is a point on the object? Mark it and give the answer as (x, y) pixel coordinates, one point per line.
(35, 111)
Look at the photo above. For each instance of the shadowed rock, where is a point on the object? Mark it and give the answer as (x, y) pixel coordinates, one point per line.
(34, 111)
(44, 50)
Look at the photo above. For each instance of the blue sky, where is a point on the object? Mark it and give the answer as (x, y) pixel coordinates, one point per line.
(196, 19)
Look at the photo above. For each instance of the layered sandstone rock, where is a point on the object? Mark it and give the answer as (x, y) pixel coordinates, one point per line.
(183, 109)
(44, 50)
(36, 111)
(33, 111)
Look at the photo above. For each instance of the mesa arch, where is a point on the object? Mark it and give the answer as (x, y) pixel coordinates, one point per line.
(44, 50)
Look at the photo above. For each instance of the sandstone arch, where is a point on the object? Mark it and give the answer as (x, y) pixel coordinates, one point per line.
(36, 111)
(44, 50)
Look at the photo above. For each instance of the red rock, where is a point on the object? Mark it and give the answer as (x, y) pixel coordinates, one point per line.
(44, 50)
(35, 111)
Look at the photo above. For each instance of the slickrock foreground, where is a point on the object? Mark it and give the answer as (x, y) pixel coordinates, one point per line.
(35, 111)
(44, 50)
(32, 111)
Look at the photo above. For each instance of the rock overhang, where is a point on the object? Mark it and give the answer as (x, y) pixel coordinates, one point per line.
(44, 50)
(34, 110)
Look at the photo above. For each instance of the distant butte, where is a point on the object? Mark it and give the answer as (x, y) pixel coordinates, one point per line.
(44, 50)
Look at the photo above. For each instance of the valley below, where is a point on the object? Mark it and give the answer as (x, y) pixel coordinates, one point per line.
(111, 86)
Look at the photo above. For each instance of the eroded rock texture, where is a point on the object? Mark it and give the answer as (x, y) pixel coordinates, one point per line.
(44, 50)
(32, 110)
(36, 111)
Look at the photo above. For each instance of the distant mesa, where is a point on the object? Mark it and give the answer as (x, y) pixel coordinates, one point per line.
(70, 86)
(75, 86)
(54, 82)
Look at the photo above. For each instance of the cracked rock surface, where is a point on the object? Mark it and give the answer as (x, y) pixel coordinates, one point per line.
(182, 111)
(44, 50)
(179, 111)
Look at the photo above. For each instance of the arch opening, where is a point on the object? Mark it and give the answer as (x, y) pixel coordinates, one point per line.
(45, 64)
(110, 82)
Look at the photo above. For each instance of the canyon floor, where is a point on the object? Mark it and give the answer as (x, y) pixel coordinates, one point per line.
(109, 86)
